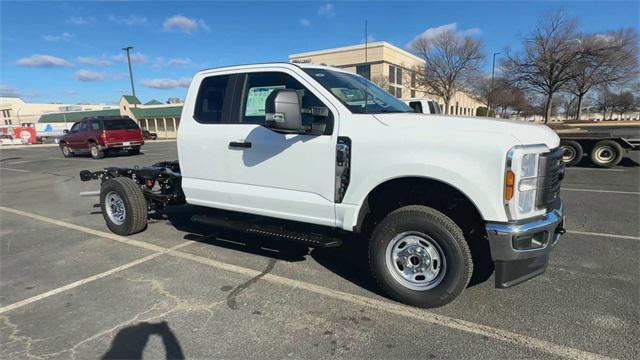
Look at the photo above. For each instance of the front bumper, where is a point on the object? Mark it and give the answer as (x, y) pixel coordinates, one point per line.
(521, 251)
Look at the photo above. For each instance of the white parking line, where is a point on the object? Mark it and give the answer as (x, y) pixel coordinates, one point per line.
(617, 236)
(594, 169)
(75, 159)
(378, 305)
(87, 280)
(11, 169)
(604, 191)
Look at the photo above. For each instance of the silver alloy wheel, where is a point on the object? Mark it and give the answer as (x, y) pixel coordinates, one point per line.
(66, 151)
(415, 261)
(94, 151)
(114, 205)
(568, 153)
(605, 154)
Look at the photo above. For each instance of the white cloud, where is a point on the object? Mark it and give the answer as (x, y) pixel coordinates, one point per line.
(119, 76)
(161, 62)
(65, 36)
(432, 33)
(70, 92)
(305, 22)
(166, 83)
(82, 20)
(136, 57)
(43, 61)
(185, 24)
(89, 60)
(327, 10)
(8, 91)
(131, 20)
(88, 75)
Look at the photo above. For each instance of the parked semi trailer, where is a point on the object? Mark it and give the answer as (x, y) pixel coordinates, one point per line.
(605, 148)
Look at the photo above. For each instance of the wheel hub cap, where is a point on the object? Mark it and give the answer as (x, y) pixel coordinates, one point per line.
(568, 154)
(415, 261)
(605, 154)
(114, 205)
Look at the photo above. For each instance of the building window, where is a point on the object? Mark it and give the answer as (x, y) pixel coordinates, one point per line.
(413, 80)
(413, 93)
(395, 81)
(364, 71)
(6, 113)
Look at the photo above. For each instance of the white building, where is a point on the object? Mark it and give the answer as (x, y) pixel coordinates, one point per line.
(15, 111)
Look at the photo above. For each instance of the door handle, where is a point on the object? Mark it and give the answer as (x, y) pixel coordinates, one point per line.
(240, 144)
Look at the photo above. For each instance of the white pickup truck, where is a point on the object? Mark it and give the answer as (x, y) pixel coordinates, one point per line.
(317, 145)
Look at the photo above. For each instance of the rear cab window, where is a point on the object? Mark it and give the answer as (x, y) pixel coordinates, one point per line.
(119, 124)
(212, 100)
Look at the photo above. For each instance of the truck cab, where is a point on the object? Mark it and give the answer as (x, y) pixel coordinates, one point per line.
(320, 146)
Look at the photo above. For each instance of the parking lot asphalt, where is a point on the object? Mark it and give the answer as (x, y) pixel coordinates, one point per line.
(70, 288)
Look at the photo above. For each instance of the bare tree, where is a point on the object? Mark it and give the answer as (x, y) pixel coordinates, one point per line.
(605, 59)
(624, 102)
(450, 62)
(546, 63)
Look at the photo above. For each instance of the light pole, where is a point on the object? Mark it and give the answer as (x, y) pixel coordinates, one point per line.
(128, 49)
(493, 74)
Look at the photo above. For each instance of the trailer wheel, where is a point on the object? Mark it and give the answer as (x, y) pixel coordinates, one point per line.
(606, 154)
(572, 152)
(420, 257)
(124, 207)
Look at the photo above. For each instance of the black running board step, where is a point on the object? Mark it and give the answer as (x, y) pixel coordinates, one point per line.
(311, 239)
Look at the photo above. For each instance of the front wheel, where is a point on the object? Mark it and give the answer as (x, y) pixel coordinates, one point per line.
(66, 150)
(420, 257)
(607, 153)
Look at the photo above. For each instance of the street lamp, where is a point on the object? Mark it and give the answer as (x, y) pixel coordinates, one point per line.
(493, 74)
(128, 49)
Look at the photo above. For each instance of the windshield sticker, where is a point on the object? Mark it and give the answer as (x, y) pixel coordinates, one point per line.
(257, 98)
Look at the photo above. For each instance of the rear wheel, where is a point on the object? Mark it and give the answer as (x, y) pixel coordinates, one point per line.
(66, 150)
(95, 152)
(607, 153)
(420, 257)
(123, 205)
(572, 152)
(134, 151)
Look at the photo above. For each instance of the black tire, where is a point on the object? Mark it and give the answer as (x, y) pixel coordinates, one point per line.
(134, 204)
(66, 150)
(95, 151)
(606, 154)
(134, 151)
(456, 262)
(572, 152)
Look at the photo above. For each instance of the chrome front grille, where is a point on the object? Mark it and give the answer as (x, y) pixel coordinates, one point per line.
(551, 172)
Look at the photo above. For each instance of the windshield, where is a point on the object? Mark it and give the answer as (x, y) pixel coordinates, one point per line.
(352, 90)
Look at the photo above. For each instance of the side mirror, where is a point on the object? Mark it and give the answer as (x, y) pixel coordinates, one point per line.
(65, 131)
(282, 110)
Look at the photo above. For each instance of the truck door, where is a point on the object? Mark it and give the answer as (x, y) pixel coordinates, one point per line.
(74, 135)
(258, 170)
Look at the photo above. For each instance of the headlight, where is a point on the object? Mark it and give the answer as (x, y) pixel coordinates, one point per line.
(521, 182)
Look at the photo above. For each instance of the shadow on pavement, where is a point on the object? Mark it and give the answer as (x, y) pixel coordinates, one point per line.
(349, 261)
(129, 342)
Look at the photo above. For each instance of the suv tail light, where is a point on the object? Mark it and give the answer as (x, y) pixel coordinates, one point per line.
(103, 136)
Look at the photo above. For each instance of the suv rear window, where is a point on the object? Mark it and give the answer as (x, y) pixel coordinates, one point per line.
(119, 124)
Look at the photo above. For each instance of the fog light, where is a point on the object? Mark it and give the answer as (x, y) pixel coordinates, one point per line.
(529, 242)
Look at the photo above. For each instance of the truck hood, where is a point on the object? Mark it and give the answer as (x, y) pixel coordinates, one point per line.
(524, 133)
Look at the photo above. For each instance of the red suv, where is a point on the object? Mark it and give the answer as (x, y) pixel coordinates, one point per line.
(100, 135)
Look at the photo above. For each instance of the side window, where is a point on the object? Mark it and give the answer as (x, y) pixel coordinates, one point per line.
(83, 126)
(94, 125)
(210, 103)
(260, 85)
(75, 127)
(416, 106)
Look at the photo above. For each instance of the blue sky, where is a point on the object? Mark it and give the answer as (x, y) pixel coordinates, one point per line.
(70, 51)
